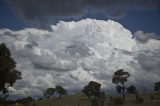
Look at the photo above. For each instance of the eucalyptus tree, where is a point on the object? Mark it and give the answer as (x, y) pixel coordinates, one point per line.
(8, 72)
(119, 79)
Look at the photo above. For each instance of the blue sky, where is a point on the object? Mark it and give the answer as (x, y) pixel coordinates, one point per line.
(145, 20)
(8, 19)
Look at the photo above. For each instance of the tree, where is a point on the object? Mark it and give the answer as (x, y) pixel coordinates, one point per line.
(157, 86)
(27, 101)
(119, 78)
(60, 90)
(92, 89)
(8, 72)
(131, 89)
(87, 91)
(49, 92)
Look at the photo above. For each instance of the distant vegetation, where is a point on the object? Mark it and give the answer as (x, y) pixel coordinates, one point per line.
(60, 90)
(50, 92)
(92, 93)
(92, 89)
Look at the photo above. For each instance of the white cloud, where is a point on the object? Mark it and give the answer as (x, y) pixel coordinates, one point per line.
(145, 37)
(74, 53)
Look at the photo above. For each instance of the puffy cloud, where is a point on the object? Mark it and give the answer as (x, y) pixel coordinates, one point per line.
(145, 37)
(74, 53)
(40, 12)
(150, 60)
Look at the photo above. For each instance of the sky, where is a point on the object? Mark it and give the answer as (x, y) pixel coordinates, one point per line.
(71, 42)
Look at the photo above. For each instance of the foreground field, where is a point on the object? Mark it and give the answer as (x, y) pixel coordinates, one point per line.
(70, 100)
(81, 100)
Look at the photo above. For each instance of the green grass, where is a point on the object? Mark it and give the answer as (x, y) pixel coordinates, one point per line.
(130, 100)
(65, 101)
(74, 100)
(81, 100)
(144, 104)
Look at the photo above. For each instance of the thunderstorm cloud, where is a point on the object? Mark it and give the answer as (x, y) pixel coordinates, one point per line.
(40, 13)
(74, 53)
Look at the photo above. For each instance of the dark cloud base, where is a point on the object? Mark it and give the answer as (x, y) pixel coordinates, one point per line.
(39, 13)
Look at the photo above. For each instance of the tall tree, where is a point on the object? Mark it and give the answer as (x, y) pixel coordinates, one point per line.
(157, 86)
(8, 72)
(119, 78)
(60, 90)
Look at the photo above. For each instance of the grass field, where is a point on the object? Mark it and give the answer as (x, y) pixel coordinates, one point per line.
(70, 100)
(81, 100)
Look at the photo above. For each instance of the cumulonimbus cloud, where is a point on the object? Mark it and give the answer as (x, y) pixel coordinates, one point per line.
(74, 53)
(40, 12)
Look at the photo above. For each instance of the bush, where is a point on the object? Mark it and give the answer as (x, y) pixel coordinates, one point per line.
(140, 100)
(118, 100)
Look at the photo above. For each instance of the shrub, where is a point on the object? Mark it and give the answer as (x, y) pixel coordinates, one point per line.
(140, 100)
(118, 100)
